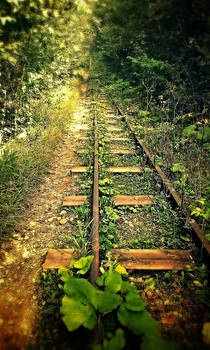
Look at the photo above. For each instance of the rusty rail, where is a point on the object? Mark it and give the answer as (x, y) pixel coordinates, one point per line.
(94, 273)
(168, 185)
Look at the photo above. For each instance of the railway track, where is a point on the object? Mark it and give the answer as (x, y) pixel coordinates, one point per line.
(136, 214)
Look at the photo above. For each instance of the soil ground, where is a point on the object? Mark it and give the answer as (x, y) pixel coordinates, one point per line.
(42, 228)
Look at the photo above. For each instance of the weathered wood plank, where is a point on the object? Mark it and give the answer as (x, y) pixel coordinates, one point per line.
(112, 138)
(79, 169)
(115, 129)
(111, 135)
(112, 121)
(71, 201)
(59, 258)
(157, 259)
(110, 111)
(132, 200)
(122, 151)
(127, 169)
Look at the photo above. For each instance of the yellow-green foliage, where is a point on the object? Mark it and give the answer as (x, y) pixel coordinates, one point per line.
(40, 90)
(26, 158)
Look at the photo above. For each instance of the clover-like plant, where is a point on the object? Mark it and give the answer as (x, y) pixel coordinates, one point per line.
(84, 305)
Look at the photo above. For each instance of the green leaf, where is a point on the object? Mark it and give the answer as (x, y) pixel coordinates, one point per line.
(186, 239)
(101, 280)
(113, 281)
(134, 302)
(107, 301)
(197, 283)
(6, 19)
(201, 133)
(105, 181)
(207, 213)
(127, 287)
(121, 270)
(177, 167)
(71, 263)
(147, 170)
(204, 133)
(189, 130)
(91, 321)
(64, 273)
(206, 146)
(117, 341)
(143, 113)
(208, 236)
(83, 264)
(196, 211)
(201, 201)
(139, 323)
(81, 290)
(76, 314)
(114, 217)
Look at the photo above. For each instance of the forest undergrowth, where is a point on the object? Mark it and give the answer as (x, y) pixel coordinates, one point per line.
(151, 60)
(44, 55)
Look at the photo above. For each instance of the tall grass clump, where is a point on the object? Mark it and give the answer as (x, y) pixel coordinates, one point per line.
(25, 159)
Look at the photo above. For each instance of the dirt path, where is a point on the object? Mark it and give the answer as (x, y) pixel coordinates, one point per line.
(22, 258)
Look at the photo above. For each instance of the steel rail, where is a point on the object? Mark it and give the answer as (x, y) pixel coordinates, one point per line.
(168, 185)
(94, 272)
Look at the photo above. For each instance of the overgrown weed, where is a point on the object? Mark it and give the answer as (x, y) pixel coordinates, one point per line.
(24, 160)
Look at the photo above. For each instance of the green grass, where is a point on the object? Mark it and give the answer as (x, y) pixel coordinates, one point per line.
(24, 161)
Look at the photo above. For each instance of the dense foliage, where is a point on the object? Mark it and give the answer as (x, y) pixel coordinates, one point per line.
(116, 307)
(39, 51)
(43, 49)
(151, 58)
(156, 52)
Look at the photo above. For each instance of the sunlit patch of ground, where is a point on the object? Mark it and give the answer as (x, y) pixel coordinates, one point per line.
(42, 228)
